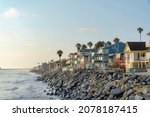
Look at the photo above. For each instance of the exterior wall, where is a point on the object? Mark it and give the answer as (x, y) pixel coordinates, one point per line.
(135, 59)
(148, 54)
(148, 43)
(86, 58)
(113, 54)
(83, 62)
(148, 59)
(73, 60)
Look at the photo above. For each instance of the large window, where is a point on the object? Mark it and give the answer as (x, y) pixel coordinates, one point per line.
(138, 56)
(128, 56)
(106, 51)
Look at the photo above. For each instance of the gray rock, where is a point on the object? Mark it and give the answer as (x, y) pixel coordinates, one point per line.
(131, 97)
(143, 83)
(148, 83)
(130, 92)
(147, 96)
(67, 96)
(116, 92)
(111, 97)
(138, 97)
(109, 77)
(136, 80)
(114, 75)
(135, 76)
(89, 96)
(109, 85)
(124, 81)
(146, 89)
(128, 86)
(147, 79)
(85, 86)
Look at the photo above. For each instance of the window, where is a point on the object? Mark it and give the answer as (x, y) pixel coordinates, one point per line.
(138, 56)
(143, 55)
(128, 56)
(105, 51)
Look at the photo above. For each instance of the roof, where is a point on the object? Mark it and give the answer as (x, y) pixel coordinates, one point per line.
(89, 50)
(115, 48)
(136, 46)
(75, 53)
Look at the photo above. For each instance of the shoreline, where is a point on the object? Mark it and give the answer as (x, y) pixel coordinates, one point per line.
(96, 85)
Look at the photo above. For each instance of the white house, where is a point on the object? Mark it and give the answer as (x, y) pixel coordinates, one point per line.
(148, 53)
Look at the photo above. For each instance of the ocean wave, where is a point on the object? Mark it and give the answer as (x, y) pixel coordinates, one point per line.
(20, 81)
(12, 89)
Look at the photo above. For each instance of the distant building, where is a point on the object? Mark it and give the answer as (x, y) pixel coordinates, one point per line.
(86, 58)
(73, 59)
(45, 66)
(135, 54)
(101, 58)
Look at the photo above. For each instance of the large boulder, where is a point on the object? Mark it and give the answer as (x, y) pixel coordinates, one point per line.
(117, 91)
(139, 97)
(146, 89)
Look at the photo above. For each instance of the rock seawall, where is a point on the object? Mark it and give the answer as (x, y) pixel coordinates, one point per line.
(96, 85)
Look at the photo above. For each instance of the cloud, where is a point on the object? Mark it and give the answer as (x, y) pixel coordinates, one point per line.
(49, 49)
(29, 44)
(12, 13)
(87, 30)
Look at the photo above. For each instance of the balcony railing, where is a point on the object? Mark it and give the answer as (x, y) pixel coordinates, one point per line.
(137, 59)
(140, 59)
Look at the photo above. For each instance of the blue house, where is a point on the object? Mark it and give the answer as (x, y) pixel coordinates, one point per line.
(113, 54)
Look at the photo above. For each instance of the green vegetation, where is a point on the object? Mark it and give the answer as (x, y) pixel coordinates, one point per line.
(116, 40)
(60, 52)
(140, 31)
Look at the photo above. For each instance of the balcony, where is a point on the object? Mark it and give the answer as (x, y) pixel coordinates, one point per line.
(140, 59)
(97, 61)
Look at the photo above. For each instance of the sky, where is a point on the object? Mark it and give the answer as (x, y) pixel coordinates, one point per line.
(31, 31)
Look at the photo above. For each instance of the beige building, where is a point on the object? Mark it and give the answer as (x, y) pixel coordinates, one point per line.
(135, 56)
(148, 54)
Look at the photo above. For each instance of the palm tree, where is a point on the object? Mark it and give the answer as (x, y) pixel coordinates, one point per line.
(84, 47)
(78, 46)
(52, 61)
(90, 44)
(116, 40)
(99, 44)
(59, 52)
(148, 34)
(108, 43)
(140, 31)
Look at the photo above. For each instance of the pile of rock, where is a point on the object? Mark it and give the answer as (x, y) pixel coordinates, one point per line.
(96, 85)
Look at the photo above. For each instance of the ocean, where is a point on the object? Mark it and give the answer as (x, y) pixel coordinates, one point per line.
(21, 85)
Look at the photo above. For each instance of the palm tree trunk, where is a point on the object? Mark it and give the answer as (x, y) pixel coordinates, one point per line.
(140, 37)
(90, 58)
(59, 62)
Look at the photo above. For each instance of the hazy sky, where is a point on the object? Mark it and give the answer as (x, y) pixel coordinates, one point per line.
(32, 31)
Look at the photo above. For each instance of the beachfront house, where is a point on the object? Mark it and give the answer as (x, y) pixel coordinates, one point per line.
(73, 59)
(101, 58)
(113, 55)
(148, 55)
(135, 56)
(86, 58)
